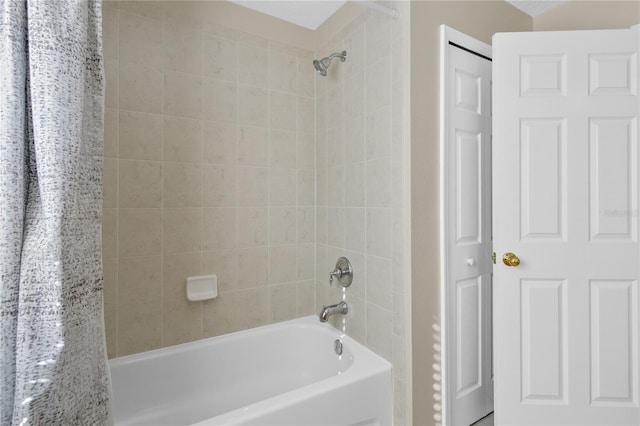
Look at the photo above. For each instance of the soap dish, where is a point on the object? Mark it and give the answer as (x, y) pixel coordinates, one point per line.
(202, 288)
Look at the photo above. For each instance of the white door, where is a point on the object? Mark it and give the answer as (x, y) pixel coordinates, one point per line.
(467, 223)
(565, 192)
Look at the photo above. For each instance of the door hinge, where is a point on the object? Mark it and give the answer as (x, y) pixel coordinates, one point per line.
(493, 257)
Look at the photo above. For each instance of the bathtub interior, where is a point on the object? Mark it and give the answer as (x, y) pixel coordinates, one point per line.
(187, 383)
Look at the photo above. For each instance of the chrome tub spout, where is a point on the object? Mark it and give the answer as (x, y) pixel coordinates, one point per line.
(338, 308)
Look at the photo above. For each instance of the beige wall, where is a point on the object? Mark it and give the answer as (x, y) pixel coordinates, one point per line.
(209, 168)
(589, 15)
(479, 19)
(360, 188)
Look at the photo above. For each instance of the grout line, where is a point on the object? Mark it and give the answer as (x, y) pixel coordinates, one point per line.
(236, 319)
(117, 226)
(162, 208)
(202, 165)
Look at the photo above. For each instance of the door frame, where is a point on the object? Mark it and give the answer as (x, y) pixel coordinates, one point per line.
(448, 35)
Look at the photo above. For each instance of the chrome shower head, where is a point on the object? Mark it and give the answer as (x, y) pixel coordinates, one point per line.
(322, 64)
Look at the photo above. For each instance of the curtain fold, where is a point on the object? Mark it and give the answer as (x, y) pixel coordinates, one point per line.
(53, 364)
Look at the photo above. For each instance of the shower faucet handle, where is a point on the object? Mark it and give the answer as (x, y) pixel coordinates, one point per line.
(343, 272)
(337, 273)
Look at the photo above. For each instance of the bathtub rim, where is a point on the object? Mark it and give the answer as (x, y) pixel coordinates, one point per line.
(309, 321)
(364, 365)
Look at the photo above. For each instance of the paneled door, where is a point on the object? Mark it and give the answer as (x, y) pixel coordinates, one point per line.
(565, 220)
(467, 228)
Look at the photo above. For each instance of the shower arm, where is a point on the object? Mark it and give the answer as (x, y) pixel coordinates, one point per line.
(342, 55)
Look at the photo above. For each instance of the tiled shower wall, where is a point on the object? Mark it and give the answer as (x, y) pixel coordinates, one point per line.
(209, 168)
(360, 191)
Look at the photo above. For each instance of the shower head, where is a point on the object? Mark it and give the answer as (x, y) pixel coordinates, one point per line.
(322, 64)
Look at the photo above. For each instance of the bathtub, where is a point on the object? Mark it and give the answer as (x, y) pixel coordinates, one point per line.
(281, 374)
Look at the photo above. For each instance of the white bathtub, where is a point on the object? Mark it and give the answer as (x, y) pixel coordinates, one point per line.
(281, 374)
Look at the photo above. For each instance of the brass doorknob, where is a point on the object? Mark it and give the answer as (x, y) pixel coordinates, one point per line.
(510, 259)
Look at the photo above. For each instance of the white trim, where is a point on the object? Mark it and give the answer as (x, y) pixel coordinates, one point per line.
(448, 34)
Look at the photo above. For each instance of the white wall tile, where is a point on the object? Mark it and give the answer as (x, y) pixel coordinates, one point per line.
(355, 185)
(253, 146)
(354, 229)
(254, 304)
(140, 39)
(305, 256)
(378, 178)
(378, 133)
(139, 232)
(220, 100)
(306, 120)
(220, 57)
(182, 139)
(219, 143)
(140, 183)
(253, 226)
(219, 229)
(306, 151)
(175, 270)
(253, 186)
(183, 94)
(110, 133)
(282, 152)
(181, 230)
(253, 106)
(279, 257)
(223, 263)
(283, 72)
(282, 184)
(282, 110)
(252, 65)
(252, 267)
(140, 88)
(379, 236)
(181, 185)
(378, 87)
(110, 183)
(282, 302)
(219, 185)
(139, 136)
(183, 45)
(379, 281)
(282, 225)
(306, 187)
(221, 315)
(111, 76)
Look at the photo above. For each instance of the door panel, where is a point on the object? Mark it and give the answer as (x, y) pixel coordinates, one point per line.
(467, 222)
(565, 155)
(468, 152)
(614, 323)
(613, 180)
(469, 357)
(544, 322)
(543, 142)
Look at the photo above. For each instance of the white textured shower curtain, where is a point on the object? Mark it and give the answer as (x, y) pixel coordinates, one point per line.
(53, 367)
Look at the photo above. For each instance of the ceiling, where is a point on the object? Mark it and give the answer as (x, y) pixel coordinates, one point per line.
(535, 7)
(312, 13)
(306, 13)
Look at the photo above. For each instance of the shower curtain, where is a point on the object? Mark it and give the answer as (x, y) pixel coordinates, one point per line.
(53, 366)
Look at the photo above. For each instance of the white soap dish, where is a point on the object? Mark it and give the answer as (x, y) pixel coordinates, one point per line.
(202, 288)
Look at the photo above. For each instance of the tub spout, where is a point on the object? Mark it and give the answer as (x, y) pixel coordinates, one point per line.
(338, 308)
